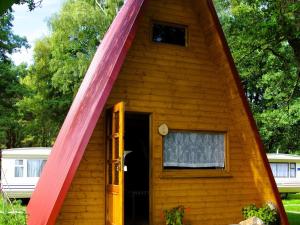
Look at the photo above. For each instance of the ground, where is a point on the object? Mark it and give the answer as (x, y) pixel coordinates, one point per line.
(291, 205)
(292, 208)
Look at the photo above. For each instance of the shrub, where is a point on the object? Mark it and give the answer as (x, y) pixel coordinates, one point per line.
(12, 213)
(174, 216)
(268, 215)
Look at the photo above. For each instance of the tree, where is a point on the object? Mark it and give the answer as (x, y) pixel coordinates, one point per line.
(76, 33)
(264, 37)
(6, 4)
(11, 92)
(10, 89)
(9, 42)
(60, 62)
(43, 108)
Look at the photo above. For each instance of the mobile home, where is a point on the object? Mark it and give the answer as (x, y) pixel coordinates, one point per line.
(21, 169)
(162, 86)
(286, 171)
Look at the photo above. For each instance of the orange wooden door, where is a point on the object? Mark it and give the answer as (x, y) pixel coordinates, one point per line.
(115, 172)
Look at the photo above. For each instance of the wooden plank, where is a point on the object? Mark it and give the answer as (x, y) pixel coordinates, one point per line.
(187, 88)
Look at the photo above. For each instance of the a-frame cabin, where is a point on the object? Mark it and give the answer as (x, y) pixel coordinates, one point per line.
(163, 87)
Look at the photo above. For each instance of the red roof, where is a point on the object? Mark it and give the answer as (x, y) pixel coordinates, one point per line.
(87, 107)
(81, 120)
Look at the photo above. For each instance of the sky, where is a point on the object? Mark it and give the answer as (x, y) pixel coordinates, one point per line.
(32, 25)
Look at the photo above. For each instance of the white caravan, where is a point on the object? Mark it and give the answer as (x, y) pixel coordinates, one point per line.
(286, 171)
(21, 169)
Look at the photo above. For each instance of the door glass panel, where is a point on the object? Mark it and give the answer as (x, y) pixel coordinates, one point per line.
(116, 118)
(109, 152)
(109, 173)
(116, 155)
(116, 173)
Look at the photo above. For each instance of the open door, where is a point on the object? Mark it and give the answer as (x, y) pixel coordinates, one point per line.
(115, 164)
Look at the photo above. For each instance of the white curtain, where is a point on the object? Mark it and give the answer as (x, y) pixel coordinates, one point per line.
(273, 167)
(282, 170)
(34, 167)
(195, 150)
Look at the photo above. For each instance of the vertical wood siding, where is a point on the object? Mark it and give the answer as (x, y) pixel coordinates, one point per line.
(188, 88)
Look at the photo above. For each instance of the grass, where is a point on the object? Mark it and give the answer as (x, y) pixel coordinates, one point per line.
(292, 208)
(291, 205)
(294, 219)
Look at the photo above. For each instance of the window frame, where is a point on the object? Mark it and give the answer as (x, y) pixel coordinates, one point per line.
(19, 167)
(295, 170)
(169, 173)
(25, 167)
(288, 172)
(166, 23)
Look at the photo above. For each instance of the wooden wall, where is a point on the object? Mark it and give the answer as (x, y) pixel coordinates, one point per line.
(189, 88)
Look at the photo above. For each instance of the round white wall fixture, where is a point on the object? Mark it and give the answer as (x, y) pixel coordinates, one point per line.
(163, 129)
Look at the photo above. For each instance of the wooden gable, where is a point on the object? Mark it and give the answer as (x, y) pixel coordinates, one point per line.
(194, 87)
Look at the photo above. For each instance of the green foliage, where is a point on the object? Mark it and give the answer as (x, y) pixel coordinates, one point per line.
(264, 37)
(76, 32)
(12, 91)
(60, 63)
(10, 88)
(12, 213)
(266, 214)
(174, 216)
(34, 101)
(6, 4)
(9, 42)
(32, 4)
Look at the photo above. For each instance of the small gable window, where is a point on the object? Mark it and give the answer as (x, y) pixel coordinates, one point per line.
(169, 33)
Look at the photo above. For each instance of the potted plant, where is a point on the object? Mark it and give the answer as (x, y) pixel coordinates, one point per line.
(174, 216)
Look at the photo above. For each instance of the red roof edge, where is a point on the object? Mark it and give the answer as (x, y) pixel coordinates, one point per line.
(250, 116)
(67, 152)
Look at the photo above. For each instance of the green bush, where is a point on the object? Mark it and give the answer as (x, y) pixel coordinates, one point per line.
(174, 216)
(12, 213)
(268, 215)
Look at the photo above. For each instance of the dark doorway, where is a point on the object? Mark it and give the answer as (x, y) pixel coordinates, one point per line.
(137, 175)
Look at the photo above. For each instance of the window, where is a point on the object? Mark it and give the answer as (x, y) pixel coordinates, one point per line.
(34, 167)
(292, 169)
(283, 170)
(194, 150)
(273, 168)
(280, 169)
(169, 34)
(19, 168)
